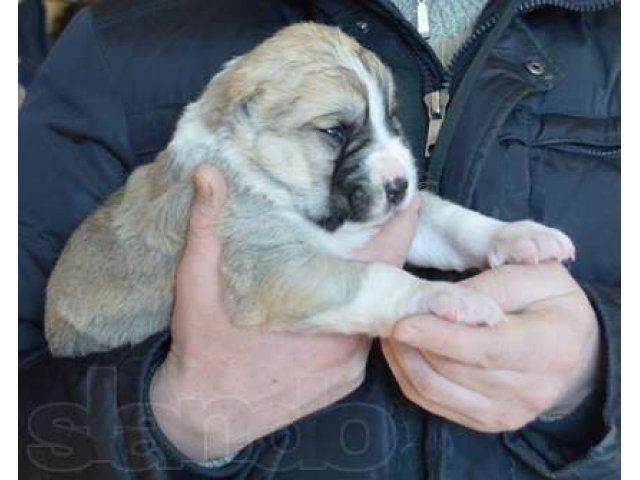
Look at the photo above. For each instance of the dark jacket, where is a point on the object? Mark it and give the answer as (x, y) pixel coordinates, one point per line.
(519, 141)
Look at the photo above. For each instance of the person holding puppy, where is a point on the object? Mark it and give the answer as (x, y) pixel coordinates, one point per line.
(531, 130)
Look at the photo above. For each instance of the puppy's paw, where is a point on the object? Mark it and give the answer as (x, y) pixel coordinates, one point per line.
(459, 304)
(529, 243)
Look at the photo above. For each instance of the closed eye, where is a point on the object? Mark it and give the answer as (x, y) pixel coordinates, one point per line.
(337, 132)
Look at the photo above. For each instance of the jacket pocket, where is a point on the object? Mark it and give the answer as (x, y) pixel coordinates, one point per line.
(572, 166)
(575, 136)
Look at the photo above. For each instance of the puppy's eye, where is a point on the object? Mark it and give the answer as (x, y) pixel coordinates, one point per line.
(338, 133)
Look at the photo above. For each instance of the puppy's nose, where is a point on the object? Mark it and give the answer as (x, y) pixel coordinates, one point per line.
(396, 190)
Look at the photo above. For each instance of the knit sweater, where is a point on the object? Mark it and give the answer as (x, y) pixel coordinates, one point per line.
(450, 22)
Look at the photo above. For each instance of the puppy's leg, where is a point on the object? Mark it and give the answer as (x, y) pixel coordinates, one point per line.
(450, 237)
(329, 294)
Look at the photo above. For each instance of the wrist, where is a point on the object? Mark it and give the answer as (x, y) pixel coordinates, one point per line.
(180, 416)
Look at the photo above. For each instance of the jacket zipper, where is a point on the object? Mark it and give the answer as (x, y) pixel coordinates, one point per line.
(430, 68)
(437, 101)
(524, 8)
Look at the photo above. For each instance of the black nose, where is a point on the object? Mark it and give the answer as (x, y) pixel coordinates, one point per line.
(396, 190)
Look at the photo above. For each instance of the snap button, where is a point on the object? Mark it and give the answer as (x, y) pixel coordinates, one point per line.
(362, 26)
(534, 67)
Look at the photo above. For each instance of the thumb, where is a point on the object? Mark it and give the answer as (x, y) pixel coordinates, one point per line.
(198, 285)
(210, 194)
(515, 287)
(393, 241)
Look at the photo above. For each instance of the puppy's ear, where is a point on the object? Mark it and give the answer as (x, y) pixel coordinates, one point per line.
(240, 89)
(230, 93)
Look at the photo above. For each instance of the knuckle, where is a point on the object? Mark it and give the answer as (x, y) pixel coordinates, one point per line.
(489, 426)
(355, 367)
(357, 378)
(424, 385)
(526, 224)
(410, 395)
(441, 368)
(416, 399)
(528, 416)
(539, 401)
(491, 356)
(490, 420)
(508, 421)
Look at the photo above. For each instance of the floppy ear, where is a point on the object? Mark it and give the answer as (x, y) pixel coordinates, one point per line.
(230, 93)
(242, 92)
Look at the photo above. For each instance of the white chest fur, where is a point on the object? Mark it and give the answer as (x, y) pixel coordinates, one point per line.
(346, 239)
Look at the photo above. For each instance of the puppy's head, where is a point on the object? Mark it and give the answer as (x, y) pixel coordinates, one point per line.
(315, 115)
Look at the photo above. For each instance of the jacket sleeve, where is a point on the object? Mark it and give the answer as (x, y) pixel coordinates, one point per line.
(586, 443)
(87, 417)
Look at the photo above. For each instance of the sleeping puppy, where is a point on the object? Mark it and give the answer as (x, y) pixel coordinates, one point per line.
(304, 128)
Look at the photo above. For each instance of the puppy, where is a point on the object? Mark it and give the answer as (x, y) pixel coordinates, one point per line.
(305, 129)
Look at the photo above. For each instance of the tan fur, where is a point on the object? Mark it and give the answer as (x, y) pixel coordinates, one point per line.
(113, 283)
(258, 122)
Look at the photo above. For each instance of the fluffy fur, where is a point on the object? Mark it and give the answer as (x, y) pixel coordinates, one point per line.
(304, 128)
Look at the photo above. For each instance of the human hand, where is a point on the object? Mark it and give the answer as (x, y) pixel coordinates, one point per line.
(543, 360)
(222, 387)
(391, 244)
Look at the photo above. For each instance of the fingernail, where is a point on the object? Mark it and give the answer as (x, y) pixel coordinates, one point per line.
(204, 186)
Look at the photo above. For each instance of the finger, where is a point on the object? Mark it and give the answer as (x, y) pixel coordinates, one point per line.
(493, 383)
(404, 220)
(530, 393)
(210, 194)
(201, 263)
(509, 345)
(199, 285)
(431, 403)
(514, 287)
(392, 242)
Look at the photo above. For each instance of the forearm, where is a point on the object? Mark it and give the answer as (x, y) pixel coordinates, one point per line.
(183, 421)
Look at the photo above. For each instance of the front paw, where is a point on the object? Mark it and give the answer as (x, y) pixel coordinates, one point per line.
(460, 304)
(528, 242)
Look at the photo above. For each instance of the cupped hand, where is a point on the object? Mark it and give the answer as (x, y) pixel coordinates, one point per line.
(222, 387)
(544, 359)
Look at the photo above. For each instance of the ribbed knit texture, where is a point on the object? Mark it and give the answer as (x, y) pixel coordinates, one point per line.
(451, 22)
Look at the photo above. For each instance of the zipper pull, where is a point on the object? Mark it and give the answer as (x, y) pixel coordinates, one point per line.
(424, 29)
(436, 103)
